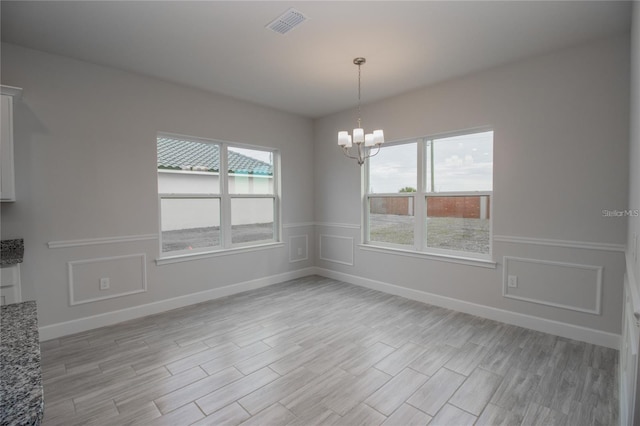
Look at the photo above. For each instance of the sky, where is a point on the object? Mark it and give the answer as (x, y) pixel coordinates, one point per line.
(265, 156)
(460, 163)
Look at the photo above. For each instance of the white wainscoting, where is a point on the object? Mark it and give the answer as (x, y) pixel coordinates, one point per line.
(336, 249)
(570, 331)
(54, 331)
(127, 275)
(558, 284)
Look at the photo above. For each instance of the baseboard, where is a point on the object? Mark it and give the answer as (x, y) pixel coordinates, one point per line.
(570, 331)
(54, 331)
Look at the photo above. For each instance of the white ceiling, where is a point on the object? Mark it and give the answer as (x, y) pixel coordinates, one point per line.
(224, 47)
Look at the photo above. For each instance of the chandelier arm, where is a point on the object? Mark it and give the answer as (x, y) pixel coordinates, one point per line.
(359, 158)
(373, 155)
(347, 153)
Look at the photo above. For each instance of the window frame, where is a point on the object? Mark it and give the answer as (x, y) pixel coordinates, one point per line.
(419, 246)
(225, 197)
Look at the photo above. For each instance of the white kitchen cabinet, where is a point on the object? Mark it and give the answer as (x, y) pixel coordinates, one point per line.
(7, 175)
(10, 290)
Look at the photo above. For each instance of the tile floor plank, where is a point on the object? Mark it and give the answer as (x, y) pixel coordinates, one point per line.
(436, 391)
(189, 393)
(407, 415)
(213, 401)
(231, 415)
(396, 391)
(277, 390)
(476, 391)
(450, 415)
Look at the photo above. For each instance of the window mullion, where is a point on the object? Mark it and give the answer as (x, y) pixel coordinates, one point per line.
(225, 206)
(364, 202)
(419, 198)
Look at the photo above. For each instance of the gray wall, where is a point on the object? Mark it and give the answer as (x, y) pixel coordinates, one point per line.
(86, 168)
(85, 161)
(560, 158)
(633, 236)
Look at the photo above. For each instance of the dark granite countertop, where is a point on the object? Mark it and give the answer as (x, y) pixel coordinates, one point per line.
(20, 373)
(11, 251)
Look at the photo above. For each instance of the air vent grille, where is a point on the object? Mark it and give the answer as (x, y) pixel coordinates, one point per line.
(287, 21)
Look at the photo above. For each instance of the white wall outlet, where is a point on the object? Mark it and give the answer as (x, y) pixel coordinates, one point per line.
(105, 284)
(512, 281)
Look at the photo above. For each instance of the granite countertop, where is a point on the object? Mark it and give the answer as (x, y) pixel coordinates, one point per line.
(11, 251)
(20, 374)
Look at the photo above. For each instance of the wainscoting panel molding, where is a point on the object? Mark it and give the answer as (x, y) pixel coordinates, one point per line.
(126, 275)
(298, 248)
(558, 284)
(337, 249)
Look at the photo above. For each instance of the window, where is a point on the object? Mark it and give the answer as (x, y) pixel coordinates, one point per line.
(215, 195)
(432, 195)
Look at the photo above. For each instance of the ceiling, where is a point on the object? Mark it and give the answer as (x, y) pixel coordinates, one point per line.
(224, 47)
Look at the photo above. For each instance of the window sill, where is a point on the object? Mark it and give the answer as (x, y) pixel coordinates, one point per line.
(470, 261)
(204, 255)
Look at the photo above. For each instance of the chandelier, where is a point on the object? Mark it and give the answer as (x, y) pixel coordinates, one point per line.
(363, 142)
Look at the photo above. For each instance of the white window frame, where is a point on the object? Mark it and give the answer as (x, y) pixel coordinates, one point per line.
(419, 246)
(226, 245)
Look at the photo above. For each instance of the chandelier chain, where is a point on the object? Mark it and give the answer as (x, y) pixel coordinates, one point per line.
(359, 92)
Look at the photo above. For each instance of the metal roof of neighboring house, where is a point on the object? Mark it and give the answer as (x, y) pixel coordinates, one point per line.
(180, 154)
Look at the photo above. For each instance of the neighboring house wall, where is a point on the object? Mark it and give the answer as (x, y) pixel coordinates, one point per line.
(561, 129)
(86, 168)
(176, 182)
(473, 207)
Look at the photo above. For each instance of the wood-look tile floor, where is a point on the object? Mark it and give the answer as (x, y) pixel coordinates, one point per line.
(319, 351)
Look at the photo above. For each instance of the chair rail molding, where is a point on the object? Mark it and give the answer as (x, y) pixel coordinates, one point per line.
(101, 240)
(587, 245)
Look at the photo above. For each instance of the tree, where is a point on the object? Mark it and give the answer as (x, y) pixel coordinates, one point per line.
(407, 189)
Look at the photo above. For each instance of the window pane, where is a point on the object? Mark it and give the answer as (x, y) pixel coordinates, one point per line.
(251, 219)
(460, 163)
(459, 223)
(250, 171)
(190, 223)
(188, 167)
(391, 220)
(394, 169)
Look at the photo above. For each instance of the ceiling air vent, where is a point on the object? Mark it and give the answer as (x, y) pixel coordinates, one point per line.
(287, 21)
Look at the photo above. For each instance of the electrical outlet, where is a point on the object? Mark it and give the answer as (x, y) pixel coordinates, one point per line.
(105, 284)
(512, 281)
